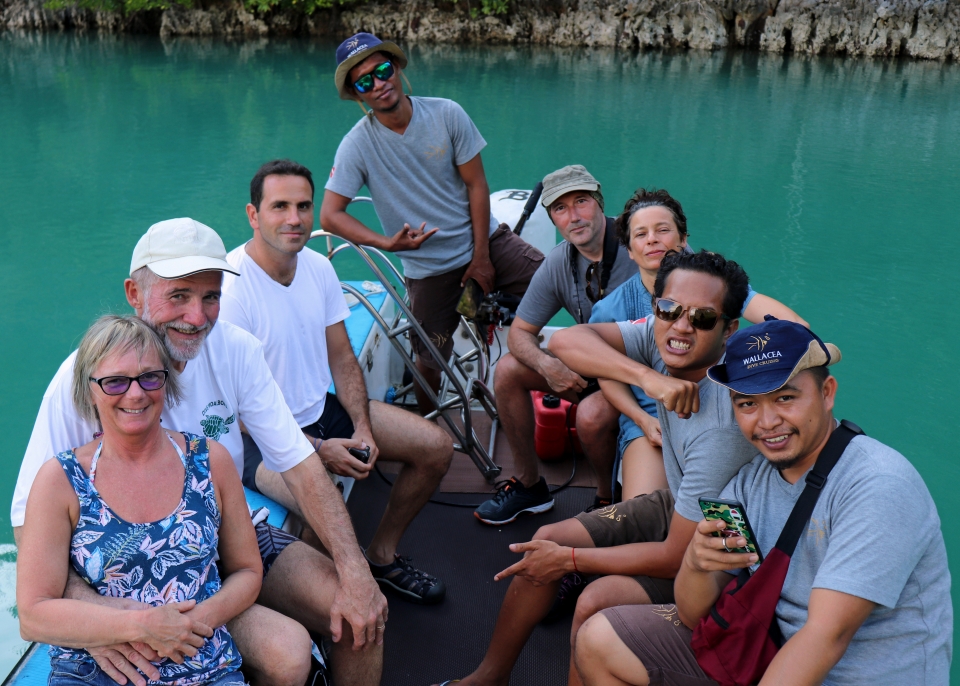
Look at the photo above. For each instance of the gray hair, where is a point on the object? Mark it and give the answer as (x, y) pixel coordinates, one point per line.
(145, 278)
(110, 334)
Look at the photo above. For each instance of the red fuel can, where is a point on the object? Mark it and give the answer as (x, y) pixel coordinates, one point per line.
(552, 433)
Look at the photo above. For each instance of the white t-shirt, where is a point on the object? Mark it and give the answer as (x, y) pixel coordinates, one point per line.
(291, 322)
(228, 381)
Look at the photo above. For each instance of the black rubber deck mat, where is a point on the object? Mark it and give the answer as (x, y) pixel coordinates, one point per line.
(427, 645)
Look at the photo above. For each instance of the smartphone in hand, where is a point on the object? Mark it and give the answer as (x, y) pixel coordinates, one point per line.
(735, 517)
(362, 454)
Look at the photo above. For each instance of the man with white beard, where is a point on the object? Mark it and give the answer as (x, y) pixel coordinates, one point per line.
(174, 286)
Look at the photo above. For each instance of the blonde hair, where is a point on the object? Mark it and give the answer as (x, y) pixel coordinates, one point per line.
(109, 334)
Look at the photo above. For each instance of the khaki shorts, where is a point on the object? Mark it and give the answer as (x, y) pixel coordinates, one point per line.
(655, 634)
(644, 519)
(434, 299)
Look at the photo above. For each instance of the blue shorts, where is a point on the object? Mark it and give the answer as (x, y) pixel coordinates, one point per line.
(629, 432)
(88, 673)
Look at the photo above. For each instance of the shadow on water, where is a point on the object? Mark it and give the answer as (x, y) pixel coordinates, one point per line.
(832, 181)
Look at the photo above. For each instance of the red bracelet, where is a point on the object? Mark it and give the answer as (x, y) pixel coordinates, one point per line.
(573, 556)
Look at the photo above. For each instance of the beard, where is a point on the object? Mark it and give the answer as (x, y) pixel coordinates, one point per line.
(784, 463)
(181, 351)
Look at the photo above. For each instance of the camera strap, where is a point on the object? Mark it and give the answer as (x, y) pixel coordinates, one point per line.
(611, 246)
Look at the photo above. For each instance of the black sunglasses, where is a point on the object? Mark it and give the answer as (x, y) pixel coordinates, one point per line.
(382, 72)
(593, 268)
(703, 318)
(118, 385)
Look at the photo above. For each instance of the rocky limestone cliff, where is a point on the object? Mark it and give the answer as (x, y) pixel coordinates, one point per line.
(927, 29)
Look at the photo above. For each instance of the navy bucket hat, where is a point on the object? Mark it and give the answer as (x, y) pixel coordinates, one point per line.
(764, 357)
(355, 50)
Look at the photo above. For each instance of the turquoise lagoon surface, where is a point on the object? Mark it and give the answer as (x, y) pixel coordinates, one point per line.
(834, 182)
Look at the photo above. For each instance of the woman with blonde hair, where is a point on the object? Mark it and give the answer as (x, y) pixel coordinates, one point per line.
(139, 513)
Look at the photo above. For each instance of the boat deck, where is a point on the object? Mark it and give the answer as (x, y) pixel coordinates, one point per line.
(427, 645)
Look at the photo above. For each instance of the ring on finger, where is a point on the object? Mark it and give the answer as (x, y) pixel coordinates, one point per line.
(725, 544)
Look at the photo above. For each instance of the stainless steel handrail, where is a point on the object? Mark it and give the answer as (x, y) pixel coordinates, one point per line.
(468, 441)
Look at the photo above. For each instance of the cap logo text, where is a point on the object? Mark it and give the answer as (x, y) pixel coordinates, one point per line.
(762, 359)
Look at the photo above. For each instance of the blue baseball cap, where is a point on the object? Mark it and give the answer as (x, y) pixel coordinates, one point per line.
(764, 357)
(355, 50)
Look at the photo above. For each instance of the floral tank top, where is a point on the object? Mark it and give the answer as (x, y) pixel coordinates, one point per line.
(167, 561)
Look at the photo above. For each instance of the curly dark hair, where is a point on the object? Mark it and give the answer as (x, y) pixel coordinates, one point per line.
(280, 168)
(712, 263)
(642, 198)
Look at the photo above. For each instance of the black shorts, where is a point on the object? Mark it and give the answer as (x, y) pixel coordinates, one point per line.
(334, 422)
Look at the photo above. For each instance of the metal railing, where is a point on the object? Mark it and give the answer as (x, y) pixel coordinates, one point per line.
(453, 395)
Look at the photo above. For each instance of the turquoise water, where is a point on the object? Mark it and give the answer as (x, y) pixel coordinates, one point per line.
(833, 182)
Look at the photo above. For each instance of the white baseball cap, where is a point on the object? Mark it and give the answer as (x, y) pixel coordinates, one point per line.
(176, 248)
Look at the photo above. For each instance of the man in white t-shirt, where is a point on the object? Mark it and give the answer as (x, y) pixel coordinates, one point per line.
(174, 285)
(290, 298)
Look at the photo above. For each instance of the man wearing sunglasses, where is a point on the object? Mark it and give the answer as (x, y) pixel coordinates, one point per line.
(852, 610)
(174, 286)
(420, 159)
(577, 273)
(636, 546)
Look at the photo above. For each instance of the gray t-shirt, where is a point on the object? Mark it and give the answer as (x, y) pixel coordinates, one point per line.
(414, 178)
(874, 534)
(700, 454)
(552, 289)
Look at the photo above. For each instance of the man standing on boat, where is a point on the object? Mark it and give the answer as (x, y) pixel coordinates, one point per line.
(585, 266)
(854, 608)
(420, 158)
(636, 547)
(289, 297)
(174, 285)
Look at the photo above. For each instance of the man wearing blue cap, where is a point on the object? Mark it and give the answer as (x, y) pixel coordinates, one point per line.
(867, 596)
(420, 159)
(637, 546)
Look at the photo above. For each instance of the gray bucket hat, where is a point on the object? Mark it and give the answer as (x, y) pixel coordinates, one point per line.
(573, 177)
(355, 50)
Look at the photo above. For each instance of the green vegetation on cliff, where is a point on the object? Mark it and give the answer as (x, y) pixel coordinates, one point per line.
(126, 7)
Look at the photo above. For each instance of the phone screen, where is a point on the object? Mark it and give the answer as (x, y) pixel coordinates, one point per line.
(735, 517)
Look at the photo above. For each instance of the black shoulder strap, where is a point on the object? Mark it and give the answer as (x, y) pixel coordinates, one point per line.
(816, 480)
(611, 245)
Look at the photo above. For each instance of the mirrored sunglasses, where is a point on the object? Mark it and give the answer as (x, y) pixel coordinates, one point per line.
(365, 83)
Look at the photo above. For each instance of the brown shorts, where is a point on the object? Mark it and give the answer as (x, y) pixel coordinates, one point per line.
(434, 299)
(643, 519)
(655, 634)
